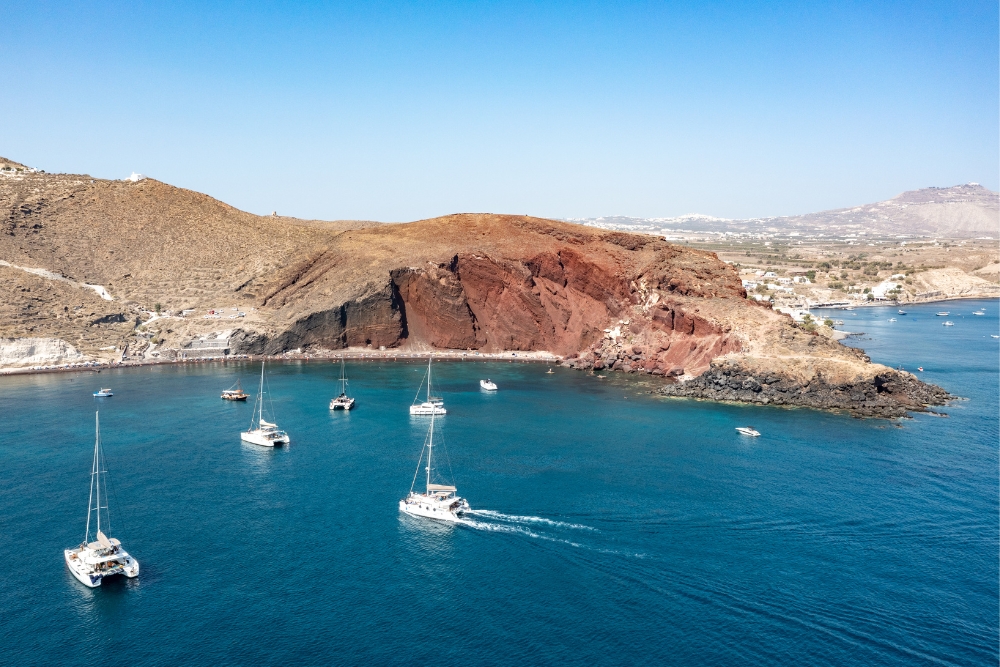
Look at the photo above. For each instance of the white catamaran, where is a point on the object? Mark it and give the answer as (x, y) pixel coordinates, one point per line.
(91, 562)
(266, 434)
(438, 501)
(432, 405)
(342, 402)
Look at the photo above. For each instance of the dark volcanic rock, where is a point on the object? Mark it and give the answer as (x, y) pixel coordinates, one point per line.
(888, 394)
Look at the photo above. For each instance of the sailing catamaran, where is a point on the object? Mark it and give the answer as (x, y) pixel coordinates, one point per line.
(438, 501)
(342, 402)
(266, 434)
(432, 405)
(91, 562)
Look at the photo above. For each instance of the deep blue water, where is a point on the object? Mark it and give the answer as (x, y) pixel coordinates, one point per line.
(650, 533)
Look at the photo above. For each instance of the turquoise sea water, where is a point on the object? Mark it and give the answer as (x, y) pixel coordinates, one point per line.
(615, 527)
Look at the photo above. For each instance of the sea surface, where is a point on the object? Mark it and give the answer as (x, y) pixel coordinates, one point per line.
(610, 526)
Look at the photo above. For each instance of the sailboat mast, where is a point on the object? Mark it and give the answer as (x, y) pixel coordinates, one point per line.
(430, 449)
(429, 386)
(260, 395)
(97, 465)
(90, 500)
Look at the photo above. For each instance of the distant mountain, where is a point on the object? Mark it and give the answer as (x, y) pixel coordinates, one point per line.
(959, 211)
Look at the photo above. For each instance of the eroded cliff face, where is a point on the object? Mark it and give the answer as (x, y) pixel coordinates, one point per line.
(565, 300)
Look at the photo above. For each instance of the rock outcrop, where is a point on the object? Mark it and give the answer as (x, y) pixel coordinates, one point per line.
(884, 392)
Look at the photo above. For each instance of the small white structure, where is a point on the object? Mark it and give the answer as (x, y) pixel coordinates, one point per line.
(135, 178)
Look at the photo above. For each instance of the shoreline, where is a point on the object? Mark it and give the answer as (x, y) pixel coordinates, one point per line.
(901, 304)
(352, 354)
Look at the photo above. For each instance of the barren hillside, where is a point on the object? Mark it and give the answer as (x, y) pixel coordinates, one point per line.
(142, 270)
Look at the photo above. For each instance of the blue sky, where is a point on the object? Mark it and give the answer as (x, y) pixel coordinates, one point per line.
(400, 111)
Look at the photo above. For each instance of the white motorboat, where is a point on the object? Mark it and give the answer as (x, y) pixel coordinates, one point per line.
(949, 324)
(432, 405)
(343, 401)
(488, 385)
(266, 434)
(748, 430)
(943, 313)
(979, 313)
(103, 393)
(901, 312)
(91, 562)
(438, 501)
(892, 319)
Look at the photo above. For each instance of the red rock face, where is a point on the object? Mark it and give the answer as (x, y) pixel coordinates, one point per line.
(532, 293)
(560, 302)
(554, 301)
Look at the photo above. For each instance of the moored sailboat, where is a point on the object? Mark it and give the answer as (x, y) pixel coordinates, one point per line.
(91, 562)
(432, 405)
(266, 434)
(343, 401)
(438, 501)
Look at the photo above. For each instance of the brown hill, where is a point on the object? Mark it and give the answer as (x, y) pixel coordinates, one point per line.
(88, 261)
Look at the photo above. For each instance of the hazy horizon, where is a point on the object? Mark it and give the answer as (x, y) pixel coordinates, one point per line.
(402, 112)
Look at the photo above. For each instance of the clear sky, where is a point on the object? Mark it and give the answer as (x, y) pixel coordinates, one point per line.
(405, 110)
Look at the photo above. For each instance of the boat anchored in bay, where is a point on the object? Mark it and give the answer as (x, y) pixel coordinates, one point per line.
(91, 562)
(267, 433)
(488, 385)
(235, 393)
(432, 405)
(748, 430)
(438, 501)
(342, 402)
(103, 393)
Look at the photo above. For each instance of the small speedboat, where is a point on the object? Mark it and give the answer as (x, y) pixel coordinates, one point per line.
(892, 319)
(748, 430)
(488, 385)
(949, 324)
(994, 336)
(979, 313)
(920, 368)
(103, 393)
(549, 372)
(901, 312)
(943, 313)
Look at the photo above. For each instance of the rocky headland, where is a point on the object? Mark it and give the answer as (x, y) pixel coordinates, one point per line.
(141, 270)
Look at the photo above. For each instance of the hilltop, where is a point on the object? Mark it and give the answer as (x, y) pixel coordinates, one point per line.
(141, 270)
(960, 211)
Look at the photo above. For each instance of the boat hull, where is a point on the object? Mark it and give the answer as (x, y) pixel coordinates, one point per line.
(426, 409)
(91, 580)
(429, 512)
(341, 405)
(260, 440)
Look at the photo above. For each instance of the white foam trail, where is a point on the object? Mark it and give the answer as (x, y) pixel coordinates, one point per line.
(528, 519)
(502, 528)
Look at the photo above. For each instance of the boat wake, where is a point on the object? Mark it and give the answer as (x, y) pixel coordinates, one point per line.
(511, 518)
(507, 528)
(497, 522)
